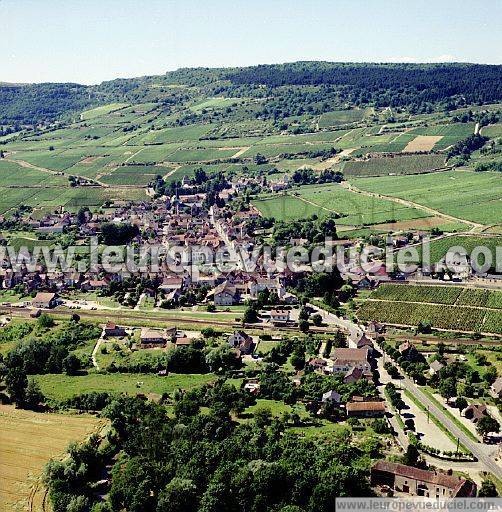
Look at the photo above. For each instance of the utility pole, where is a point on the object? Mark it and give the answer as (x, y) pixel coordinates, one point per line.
(427, 414)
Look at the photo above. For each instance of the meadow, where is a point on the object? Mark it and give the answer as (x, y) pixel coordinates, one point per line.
(463, 194)
(59, 387)
(27, 441)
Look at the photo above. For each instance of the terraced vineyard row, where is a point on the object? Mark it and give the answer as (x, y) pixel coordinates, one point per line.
(450, 295)
(439, 316)
(406, 293)
(454, 308)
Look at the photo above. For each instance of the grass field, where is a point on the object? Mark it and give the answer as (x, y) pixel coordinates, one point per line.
(413, 164)
(463, 194)
(27, 441)
(62, 387)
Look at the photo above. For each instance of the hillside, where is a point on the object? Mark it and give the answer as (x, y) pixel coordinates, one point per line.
(286, 89)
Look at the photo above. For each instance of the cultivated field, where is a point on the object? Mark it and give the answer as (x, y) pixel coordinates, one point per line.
(439, 247)
(445, 307)
(27, 441)
(413, 164)
(448, 133)
(463, 194)
(422, 143)
(321, 200)
(340, 117)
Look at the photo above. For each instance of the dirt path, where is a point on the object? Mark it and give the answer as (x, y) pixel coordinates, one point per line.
(411, 204)
(326, 164)
(316, 205)
(95, 351)
(27, 165)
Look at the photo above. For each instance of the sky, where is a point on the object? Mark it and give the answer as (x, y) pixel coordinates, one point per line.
(89, 41)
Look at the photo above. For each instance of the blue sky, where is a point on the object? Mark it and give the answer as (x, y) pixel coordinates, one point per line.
(89, 41)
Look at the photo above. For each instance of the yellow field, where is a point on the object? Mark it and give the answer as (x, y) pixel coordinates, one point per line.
(27, 441)
(422, 143)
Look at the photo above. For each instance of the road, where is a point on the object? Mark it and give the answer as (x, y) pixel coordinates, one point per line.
(479, 450)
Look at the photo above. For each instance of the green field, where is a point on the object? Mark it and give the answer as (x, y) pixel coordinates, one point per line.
(201, 155)
(293, 148)
(450, 133)
(287, 208)
(355, 209)
(440, 316)
(492, 130)
(439, 247)
(340, 117)
(101, 111)
(445, 307)
(215, 103)
(463, 194)
(139, 175)
(413, 164)
(62, 387)
(14, 175)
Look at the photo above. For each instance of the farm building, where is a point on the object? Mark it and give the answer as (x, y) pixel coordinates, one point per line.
(365, 409)
(420, 482)
(44, 300)
(112, 329)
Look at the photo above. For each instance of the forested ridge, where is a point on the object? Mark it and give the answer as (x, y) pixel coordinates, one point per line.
(305, 84)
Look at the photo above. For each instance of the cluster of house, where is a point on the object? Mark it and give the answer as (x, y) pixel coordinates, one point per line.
(355, 362)
(150, 338)
(182, 223)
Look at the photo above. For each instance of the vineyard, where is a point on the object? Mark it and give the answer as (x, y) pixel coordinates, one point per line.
(445, 307)
(404, 293)
(439, 247)
(414, 164)
(439, 316)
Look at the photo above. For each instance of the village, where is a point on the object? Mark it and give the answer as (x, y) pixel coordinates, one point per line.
(204, 234)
